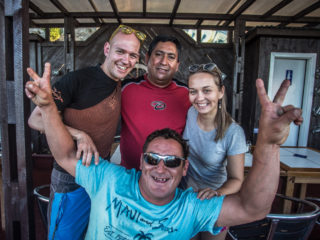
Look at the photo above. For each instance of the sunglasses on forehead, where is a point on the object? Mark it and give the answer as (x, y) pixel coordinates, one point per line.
(207, 67)
(168, 160)
(128, 30)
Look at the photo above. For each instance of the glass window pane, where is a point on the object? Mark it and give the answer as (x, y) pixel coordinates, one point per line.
(56, 34)
(213, 36)
(82, 34)
(39, 31)
(192, 33)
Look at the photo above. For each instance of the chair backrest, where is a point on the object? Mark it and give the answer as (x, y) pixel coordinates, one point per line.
(251, 231)
(297, 226)
(43, 201)
(316, 201)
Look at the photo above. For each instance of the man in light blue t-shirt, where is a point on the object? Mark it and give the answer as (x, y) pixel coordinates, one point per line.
(126, 204)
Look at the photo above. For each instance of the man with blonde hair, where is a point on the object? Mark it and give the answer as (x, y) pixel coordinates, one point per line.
(89, 102)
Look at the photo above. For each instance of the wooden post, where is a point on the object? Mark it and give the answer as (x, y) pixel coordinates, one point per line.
(238, 68)
(69, 44)
(15, 107)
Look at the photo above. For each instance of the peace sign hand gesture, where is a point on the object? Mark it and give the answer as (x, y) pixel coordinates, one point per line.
(39, 90)
(274, 123)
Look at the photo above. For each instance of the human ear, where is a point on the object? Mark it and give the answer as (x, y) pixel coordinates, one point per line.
(106, 48)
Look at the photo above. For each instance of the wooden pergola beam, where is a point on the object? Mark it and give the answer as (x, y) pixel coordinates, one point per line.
(174, 12)
(241, 9)
(15, 107)
(115, 10)
(276, 8)
(302, 13)
(180, 16)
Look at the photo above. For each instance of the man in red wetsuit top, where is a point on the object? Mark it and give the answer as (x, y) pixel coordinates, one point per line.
(152, 101)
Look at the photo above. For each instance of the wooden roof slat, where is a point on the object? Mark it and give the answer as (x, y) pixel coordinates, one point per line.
(63, 10)
(35, 8)
(144, 7)
(200, 21)
(60, 6)
(97, 20)
(115, 10)
(174, 11)
(187, 16)
(241, 9)
(276, 8)
(231, 8)
(255, 12)
(302, 13)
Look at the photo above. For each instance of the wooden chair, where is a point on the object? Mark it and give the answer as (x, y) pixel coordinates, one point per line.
(278, 226)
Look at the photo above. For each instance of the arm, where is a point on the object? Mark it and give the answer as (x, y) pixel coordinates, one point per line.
(59, 139)
(256, 195)
(35, 120)
(235, 169)
(85, 145)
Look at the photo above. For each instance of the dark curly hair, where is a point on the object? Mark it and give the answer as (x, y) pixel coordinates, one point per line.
(168, 133)
(164, 38)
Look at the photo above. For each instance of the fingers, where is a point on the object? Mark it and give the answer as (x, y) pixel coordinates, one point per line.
(45, 76)
(32, 89)
(88, 159)
(78, 154)
(87, 150)
(293, 115)
(38, 96)
(281, 93)
(47, 71)
(207, 193)
(28, 93)
(262, 94)
(33, 75)
(96, 158)
(298, 121)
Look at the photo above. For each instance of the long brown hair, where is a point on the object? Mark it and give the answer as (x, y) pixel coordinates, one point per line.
(223, 119)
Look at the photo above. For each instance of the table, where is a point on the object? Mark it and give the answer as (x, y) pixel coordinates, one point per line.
(299, 165)
(299, 170)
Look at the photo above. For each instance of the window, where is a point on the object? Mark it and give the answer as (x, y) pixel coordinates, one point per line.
(82, 34)
(57, 34)
(39, 31)
(214, 36)
(192, 33)
(208, 36)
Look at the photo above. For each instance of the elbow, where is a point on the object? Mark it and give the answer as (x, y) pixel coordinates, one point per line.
(30, 123)
(258, 215)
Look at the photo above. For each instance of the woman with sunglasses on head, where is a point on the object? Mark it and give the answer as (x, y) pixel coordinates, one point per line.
(217, 143)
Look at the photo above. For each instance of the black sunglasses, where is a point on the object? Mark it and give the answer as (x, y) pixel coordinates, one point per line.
(168, 160)
(207, 67)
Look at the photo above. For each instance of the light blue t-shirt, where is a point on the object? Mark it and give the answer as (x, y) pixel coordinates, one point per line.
(118, 210)
(207, 158)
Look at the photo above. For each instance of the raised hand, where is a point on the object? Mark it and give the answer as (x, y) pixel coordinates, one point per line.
(39, 90)
(274, 123)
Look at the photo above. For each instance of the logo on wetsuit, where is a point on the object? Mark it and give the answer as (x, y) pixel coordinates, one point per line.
(158, 105)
